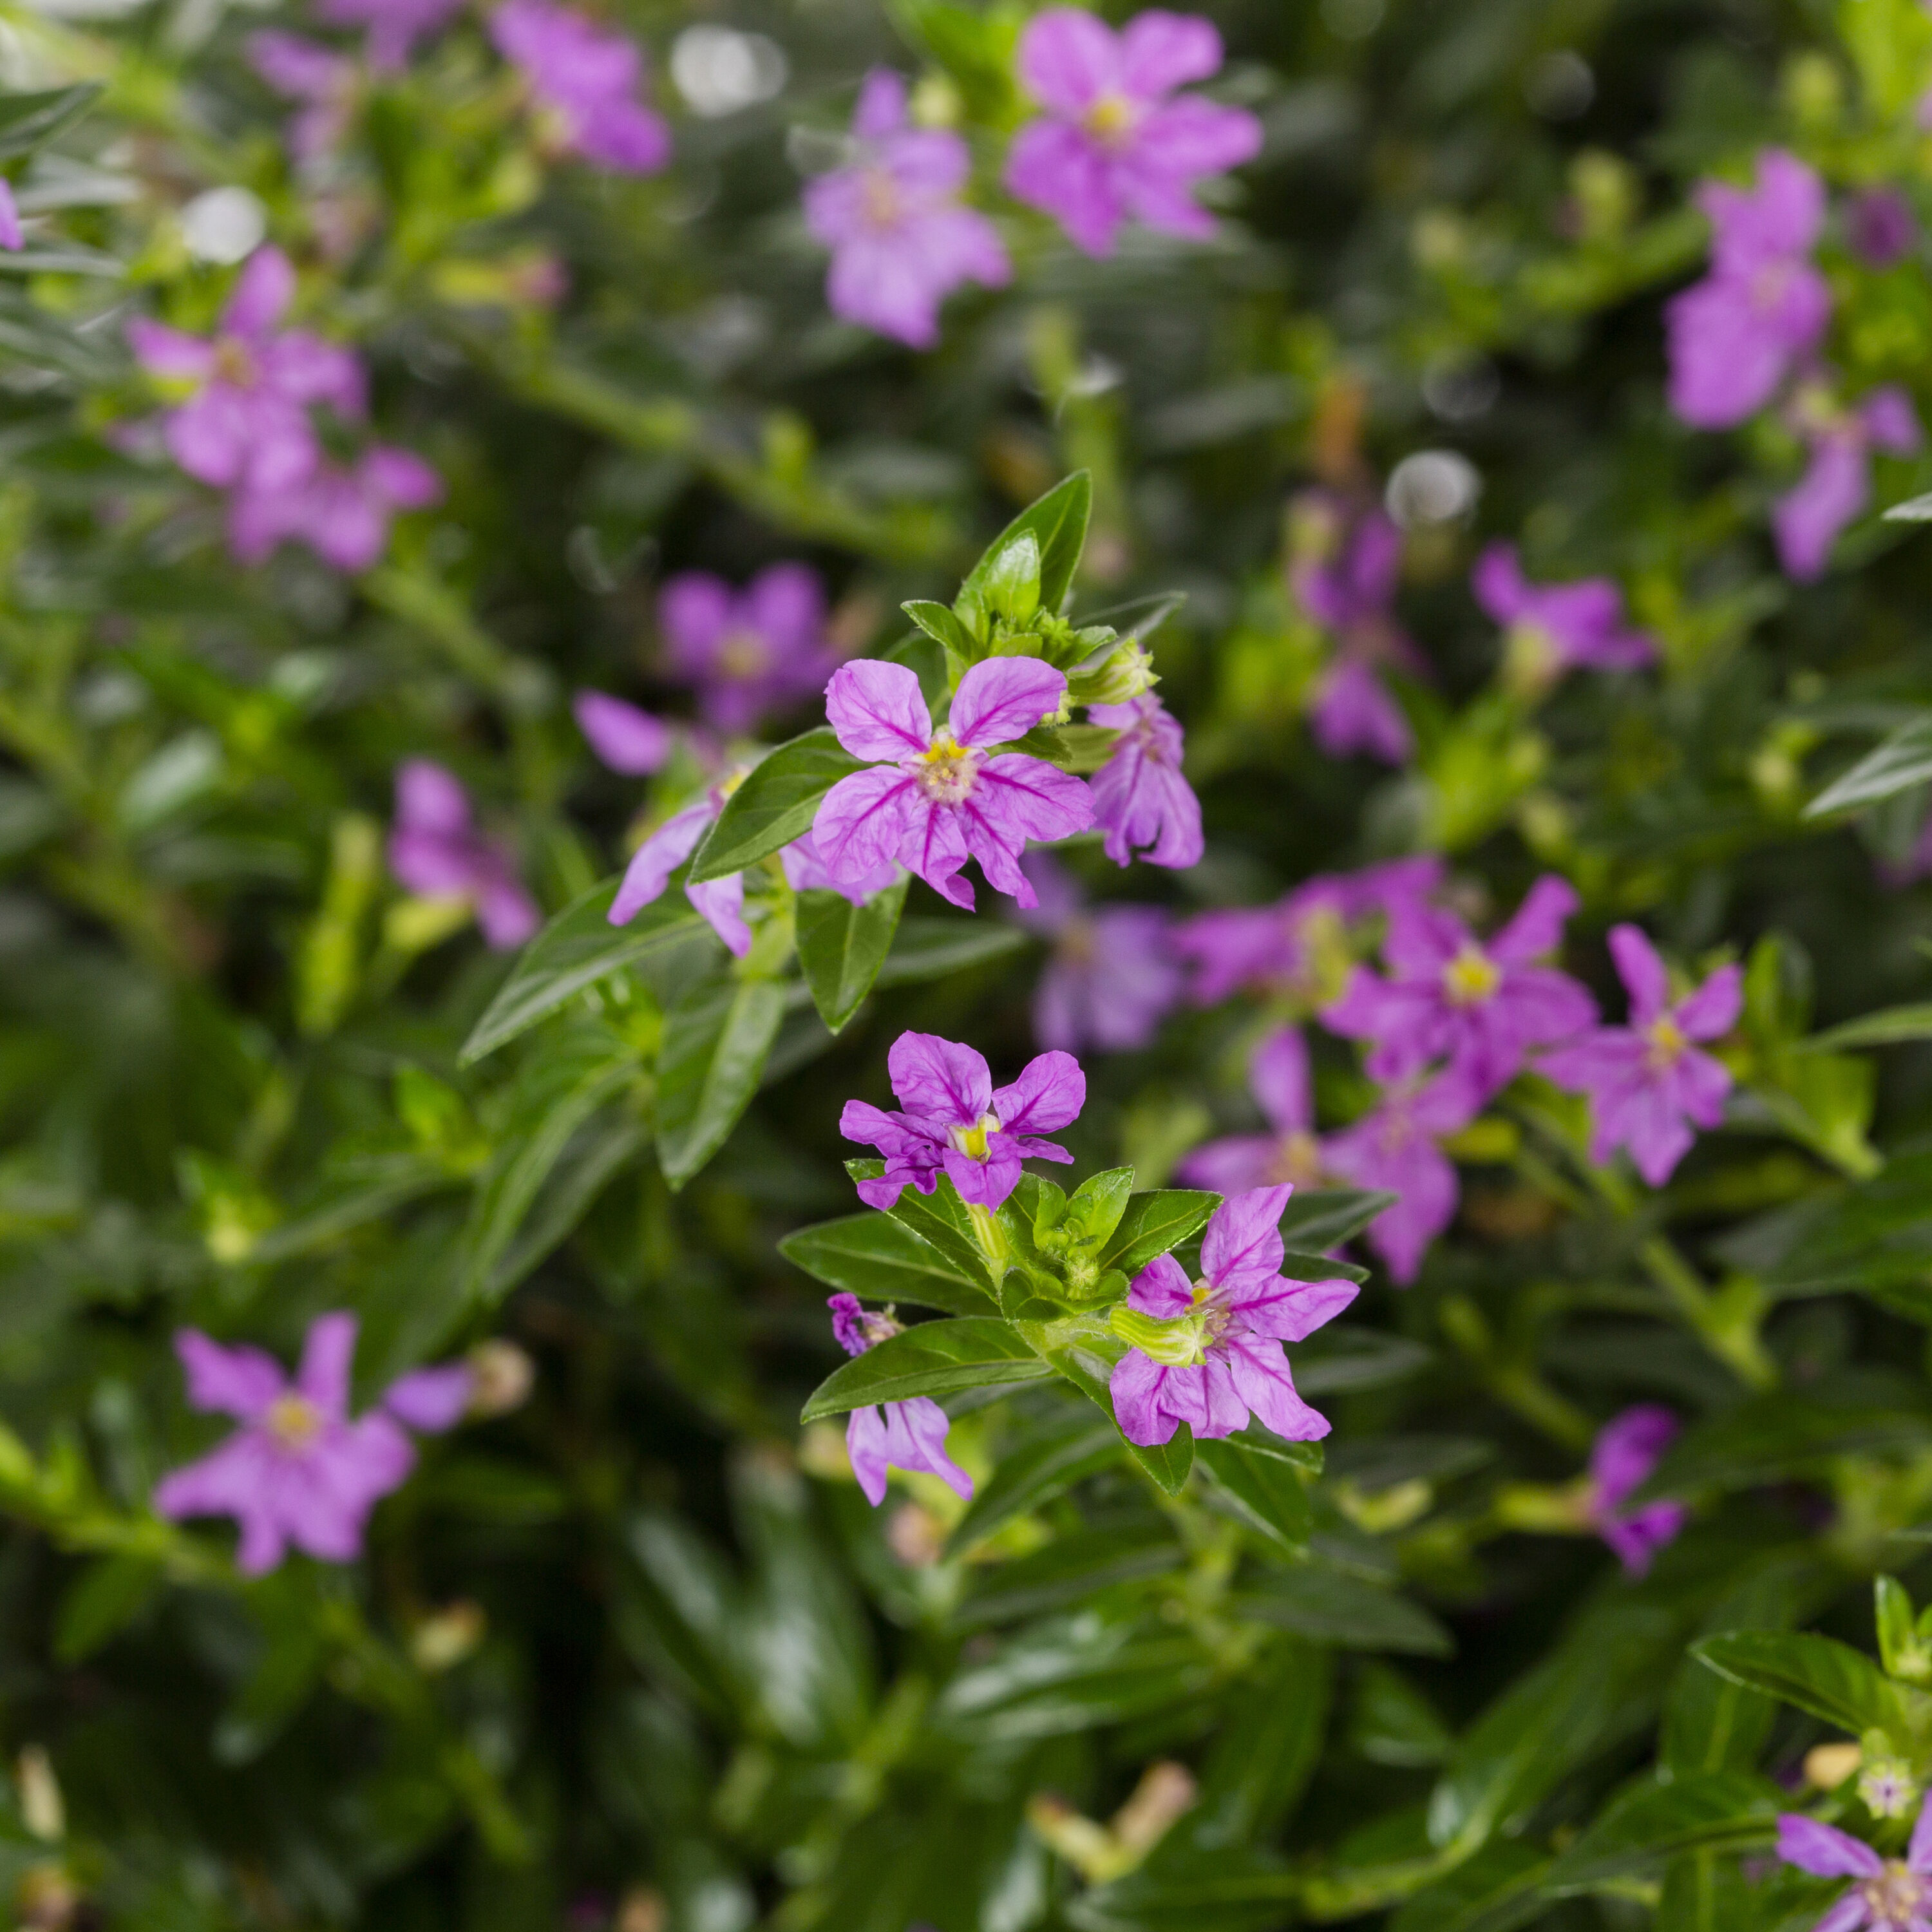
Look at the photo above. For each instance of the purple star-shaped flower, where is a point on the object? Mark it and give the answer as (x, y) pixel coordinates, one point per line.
(585, 82)
(1550, 628)
(247, 423)
(1759, 313)
(303, 70)
(955, 1122)
(1627, 1447)
(1395, 1148)
(342, 515)
(631, 741)
(1208, 1353)
(945, 797)
(1646, 1081)
(436, 849)
(1481, 1006)
(1278, 1078)
(746, 653)
(909, 1435)
(1836, 483)
(900, 241)
(299, 1471)
(1140, 799)
(1890, 1895)
(1112, 977)
(1114, 142)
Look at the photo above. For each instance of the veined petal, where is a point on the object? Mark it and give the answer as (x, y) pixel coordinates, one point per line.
(1050, 1092)
(1136, 1387)
(877, 710)
(1243, 1244)
(720, 904)
(865, 1450)
(1259, 1372)
(1823, 1850)
(1161, 1289)
(1290, 1311)
(1003, 698)
(943, 1080)
(864, 822)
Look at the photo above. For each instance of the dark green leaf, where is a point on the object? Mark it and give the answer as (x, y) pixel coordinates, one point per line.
(1334, 1359)
(939, 1218)
(102, 1600)
(1885, 1028)
(1262, 1488)
(1498, 1889)
(29, 121)
(1325, 1217)
(1069, 1570)
(936, 1358)
(1057, 523)
(1154, 1223)
(1071, 1444)
(1731, 1811)
(880, 1258)
(1266, 1750)
(1297, 1267)
(777, 800)
(938, 623)
(1317, 1601)
(1817, 1674)
(842, 946)
(933, 949)
(716, 1040)
(1084, 1351)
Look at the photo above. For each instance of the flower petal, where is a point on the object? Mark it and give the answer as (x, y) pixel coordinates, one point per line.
(1160, 51)
(1050, 1092)
(1537, 927)
(431, 1399)
(941, 1080)
(1003, 698)
(1642, 972)
(626, 738)
(720, 904)
(653, 863)
(1136, 1387)
(1161, 1289)
(1068, 58)
(1278, 1078)
(1824, 1851)
(1712, 1010)
(327, 1352)
(241, 1382)
(1242, 1242)
(877, 710)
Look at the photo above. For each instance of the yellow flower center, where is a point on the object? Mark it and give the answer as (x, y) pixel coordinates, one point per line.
(971, 1141)
(744, 654)
(1667, 1045)
(947, 769)
(1111, 120)
(233, 364)
(879, 197)
(294, 1421)
(1531, 659)
(1472, 977)
(1897, 1896)
(1296, 1159)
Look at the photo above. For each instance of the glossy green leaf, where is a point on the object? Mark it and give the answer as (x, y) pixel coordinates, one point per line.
(1817, 1674)
(934, 1359)
(1154, 1223)
(842, 946)
(881, 1258)
(29, 121)
(777, 801)
(1084, 1350)
(1498, 1889)
(1265, 1754)
(938, 623)
(1649, 1821)
(1321, 1218)
(939, 1218)
(1069, 1569)
(1057, 523)
(926, 948)
(1070, 1445)
(715, 1040)
(1316, 1600)
(1261, 1486)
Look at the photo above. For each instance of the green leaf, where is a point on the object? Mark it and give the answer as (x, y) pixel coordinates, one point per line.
(1649, 1821)
(1269, 1744)
(715, 1041)
(1325, 1217)
(1154, 1223)
(1069, 1569)
(106, 1596)
(1071, 1444)
(940, 1219)
(777, 800)
(938, 623)
(1817, 1674)
(1903, 761)
(1296, 1267)
(576, 949)
(1769, 1437)
(1057, 523)
(1316, 1599)
(935, 1358)
(1498, 1889)
(29, 121)
(1011, 586)
(1262, 1486)
(882, 1259)
(1887, 1028)
(842, 946)
(1084, 1350)
(932, 949)
(1334, 1359)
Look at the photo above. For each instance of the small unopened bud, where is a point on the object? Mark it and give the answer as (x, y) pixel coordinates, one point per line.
(642, 1908)
(47, 1900)
(915, 1536)
(442, 1641)
(1125, 673)
(1827, 1766)
(501, 1378)
(1166, 1789)
(42, 1810)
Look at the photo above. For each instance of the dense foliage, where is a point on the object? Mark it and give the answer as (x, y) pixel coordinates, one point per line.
(495, 500)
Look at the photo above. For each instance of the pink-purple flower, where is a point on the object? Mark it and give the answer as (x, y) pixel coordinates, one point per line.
(13, 238)
(342, 512)
(900, 239)
(746, 653)
(300, 1470)
(1208, 1353)
(324, 81)
(629, 739)
(1760, 312)
(435, 850)
(1628, 1448)
(246, 424)
(1880, 227)
(1888, 1894)
(585, 82)
(909, 1435)
(1112, 977)
(955, 1122)
(1550, 628)
(1450, 997)
(1140, 800)
(1115, 142)
(1278, 1079)
(1836, 483)
(1396, 1148)
(394, 26)
(1648, 1083)
(947, 795)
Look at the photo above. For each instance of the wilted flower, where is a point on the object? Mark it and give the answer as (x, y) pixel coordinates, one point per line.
(299, 1471)
(1140, 799)
(585, 81)
(1628, 1448)
(303, 70)
(909, 1435)
(1551, 627)
(1646, 1081)
(435, 850)
(945, 797)
(1114, 143)
(1112, 977)
(1278, 1078)
(1890, 1895)
(954, 1121)
(1836, 483)
(1395, 1148)
(1208, 1353)
(749, 651)
(342, 515)
(1480, 1007)
(900, 240)
(1736, 335)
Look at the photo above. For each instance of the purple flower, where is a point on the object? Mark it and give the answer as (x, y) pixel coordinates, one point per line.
(435, 850)
(1278, 1078)
(11, 236)
(1836, 483)
(1395, 1148)
(1481, 1007)
(1880, 227)
(1735, 335)
(746, 653)
(1112, 977)
(805, 872)
(1646, 1080)
(342, 515)
(954, 1120)
(909, 1435)
(1113, 143)
(394, 26)
(900, 240)
(626, 738)
(1208, 1353)
(945, 797)
(1891, 1895)
(1553, 627)
(1140, 799)
(299, 1470)
(1627, 1447)
(247, 423)
(585, 82)
(302, 70)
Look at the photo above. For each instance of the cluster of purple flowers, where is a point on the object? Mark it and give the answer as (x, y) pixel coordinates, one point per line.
(244, 425)
(435, 850)
(1751, 330)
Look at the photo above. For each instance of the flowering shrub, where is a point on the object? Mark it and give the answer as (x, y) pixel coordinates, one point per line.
(1269, 668)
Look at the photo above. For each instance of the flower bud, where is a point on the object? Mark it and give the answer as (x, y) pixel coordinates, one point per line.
(502, 1375)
